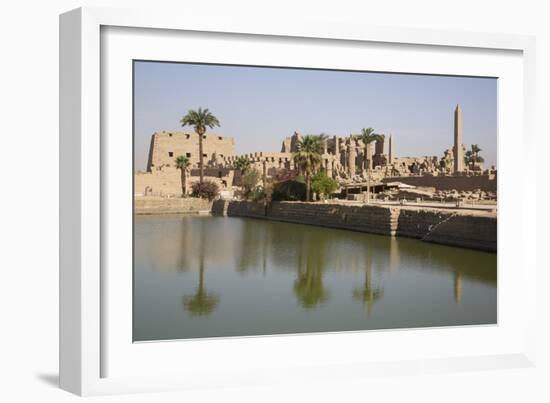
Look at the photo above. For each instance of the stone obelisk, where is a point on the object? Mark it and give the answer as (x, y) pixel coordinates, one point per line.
(390, 150)
(458, 152)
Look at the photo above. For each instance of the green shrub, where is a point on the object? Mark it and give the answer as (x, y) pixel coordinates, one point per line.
(242, 164)
(291, 190)
(207, 190)
(249, 182)
(257, 194)
(323, 185)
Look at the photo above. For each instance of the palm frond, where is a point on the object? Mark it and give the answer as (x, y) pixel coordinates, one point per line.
(200, 119)
(182, 162)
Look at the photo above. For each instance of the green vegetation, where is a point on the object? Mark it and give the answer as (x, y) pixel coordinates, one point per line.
(472, 157)
(290, 190)
(200, 120)
(249, 182)
(260, 194)
(323, 185)
(308, 158)
(252, 189)
(183, 163)
(242, 163)
(368, 136)
(206, 190)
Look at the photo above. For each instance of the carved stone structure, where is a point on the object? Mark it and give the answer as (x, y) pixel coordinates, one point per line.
(167, 146)
(390, 150)
(458, 149)
(343, 158)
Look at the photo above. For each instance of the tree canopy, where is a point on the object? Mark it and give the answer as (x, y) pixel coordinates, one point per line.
(200, 119)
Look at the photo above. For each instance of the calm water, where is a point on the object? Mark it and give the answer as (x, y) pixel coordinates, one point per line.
(223, 276)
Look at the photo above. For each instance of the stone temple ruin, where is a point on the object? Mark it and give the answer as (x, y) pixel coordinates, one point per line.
(344, 158)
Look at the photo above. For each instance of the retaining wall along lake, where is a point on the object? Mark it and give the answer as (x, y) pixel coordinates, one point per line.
(474, 230)
(175, 205)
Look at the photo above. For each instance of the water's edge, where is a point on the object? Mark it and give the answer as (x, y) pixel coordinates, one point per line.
(464, 229)
(478, 232)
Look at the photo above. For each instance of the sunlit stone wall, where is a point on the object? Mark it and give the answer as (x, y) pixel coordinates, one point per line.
(472, 230)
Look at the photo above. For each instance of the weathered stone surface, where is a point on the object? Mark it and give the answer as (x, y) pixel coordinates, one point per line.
(485, 183)
(176, 205)
(167, 146)
(458, 148)
(474, 231)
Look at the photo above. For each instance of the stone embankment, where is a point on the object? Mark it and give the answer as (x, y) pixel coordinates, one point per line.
(373, 219)
(474, 230)
(174, 205)
(486, 183)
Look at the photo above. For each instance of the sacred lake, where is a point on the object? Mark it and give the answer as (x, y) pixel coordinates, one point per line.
(206, 276)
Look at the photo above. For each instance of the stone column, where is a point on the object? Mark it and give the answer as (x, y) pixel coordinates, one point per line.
(336, 146)
(264, 173)
(380, 146)
(351, 158)
(458, 152)
(368, 157)
(329, 168)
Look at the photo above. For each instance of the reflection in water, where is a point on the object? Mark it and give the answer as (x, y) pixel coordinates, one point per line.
(457, 277)
(368, 294)
(201, 302)
(271, 277)
(309, 287)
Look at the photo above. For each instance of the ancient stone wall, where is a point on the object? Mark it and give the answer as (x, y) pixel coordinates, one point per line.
(245, 209)
(449, 228)
(167, 146)
(163, 205)
(464, 229)
(167, 181)
(417, 223)
(161, 183)
(461, 183)
(372, 219)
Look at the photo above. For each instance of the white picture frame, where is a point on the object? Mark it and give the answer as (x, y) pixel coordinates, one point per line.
(89, 337)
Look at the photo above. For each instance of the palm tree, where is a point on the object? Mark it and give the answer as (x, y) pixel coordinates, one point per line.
(475, 151)
(200, 120)
(308, 157)
(468, 158)
(368, 136)
(183, 163)
(471, 157)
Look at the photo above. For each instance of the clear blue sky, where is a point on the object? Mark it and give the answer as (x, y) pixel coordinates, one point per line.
(261, 106)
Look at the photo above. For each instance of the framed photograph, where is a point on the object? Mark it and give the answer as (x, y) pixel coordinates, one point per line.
(253, 202)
